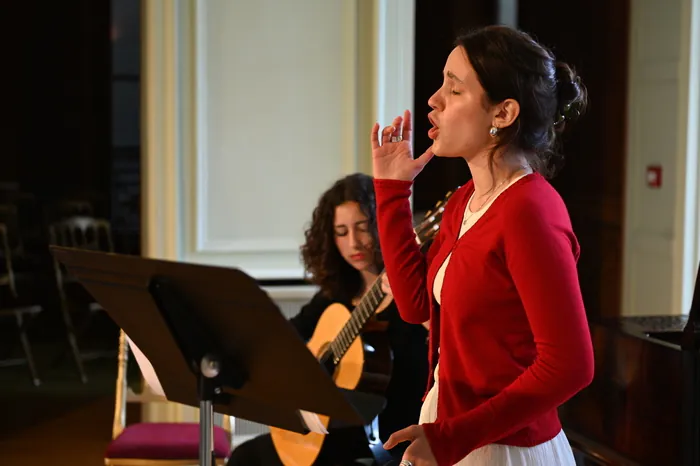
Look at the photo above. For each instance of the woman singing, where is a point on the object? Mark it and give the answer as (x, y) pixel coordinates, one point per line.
(499, 284)
(342, 256)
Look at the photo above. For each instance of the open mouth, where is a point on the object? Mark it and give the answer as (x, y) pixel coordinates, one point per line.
(434, 131)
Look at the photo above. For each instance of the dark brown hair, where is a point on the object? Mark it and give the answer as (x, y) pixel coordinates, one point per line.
(322, 260)
(512, 65)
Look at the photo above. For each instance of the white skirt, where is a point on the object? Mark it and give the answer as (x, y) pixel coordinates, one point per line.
(554, 452)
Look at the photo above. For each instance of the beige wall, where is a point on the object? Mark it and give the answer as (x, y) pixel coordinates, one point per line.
(251, 110)
(661, 234)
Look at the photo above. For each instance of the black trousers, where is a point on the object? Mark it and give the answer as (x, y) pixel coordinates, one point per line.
(342, 447)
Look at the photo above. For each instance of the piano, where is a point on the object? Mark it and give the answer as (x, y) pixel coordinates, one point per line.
(643, 406)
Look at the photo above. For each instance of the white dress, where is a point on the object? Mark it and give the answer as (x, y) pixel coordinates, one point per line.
(554, 452)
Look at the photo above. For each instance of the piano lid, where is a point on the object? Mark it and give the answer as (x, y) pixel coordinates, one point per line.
(680, 331)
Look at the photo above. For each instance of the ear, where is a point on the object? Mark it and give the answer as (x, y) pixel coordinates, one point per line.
(506, 113)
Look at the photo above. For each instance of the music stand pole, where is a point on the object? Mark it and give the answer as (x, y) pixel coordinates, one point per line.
(209, 369)
(199, 348)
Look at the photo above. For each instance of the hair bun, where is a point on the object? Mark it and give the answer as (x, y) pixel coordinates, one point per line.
(572, 96)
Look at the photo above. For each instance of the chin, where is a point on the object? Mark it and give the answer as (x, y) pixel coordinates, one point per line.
(367, 267)
(442, 152)
(446, 151)
(436, 148)
(359, 266)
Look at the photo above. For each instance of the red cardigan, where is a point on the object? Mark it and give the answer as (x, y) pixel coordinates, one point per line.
(512, 330)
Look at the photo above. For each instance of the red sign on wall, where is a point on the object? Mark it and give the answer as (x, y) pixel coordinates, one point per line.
(654, 176)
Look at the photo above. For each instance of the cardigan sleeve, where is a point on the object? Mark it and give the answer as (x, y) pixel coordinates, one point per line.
(540, 252)
(406, 266)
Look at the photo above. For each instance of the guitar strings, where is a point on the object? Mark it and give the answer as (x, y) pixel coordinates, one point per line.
(358, 318)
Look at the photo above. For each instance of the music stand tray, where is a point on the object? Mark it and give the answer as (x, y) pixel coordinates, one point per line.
(216, 341)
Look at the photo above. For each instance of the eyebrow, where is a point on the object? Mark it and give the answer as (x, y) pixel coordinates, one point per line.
(356, 223)
(451, 75)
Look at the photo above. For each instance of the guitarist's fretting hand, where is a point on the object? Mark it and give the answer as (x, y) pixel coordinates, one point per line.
(385, 285)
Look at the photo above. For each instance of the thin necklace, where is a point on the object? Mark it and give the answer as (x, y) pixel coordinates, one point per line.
(469, 212)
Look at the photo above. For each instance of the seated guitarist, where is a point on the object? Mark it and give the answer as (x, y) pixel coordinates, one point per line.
(342, 256)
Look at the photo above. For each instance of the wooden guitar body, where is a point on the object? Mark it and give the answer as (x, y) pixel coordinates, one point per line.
(366, 366)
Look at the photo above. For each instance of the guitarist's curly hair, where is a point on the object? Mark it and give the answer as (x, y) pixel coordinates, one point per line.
(322, 260)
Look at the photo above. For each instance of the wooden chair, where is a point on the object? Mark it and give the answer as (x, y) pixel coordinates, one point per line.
(80, 232)
(152, 443)
(13, 305)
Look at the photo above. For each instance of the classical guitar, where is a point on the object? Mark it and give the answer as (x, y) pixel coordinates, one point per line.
(357, 355)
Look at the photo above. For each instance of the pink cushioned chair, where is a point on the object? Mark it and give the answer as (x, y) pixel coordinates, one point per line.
(154, 443)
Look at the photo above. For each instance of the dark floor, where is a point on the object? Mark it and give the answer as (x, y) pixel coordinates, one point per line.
(63, 421)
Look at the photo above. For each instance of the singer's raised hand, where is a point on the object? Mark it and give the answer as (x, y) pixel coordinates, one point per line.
(392, 156)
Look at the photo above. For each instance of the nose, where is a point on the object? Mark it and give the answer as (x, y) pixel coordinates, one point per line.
(354, 239)
(435, 100)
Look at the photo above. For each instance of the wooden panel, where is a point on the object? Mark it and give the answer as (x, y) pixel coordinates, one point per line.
(634, 404)
(592, 36)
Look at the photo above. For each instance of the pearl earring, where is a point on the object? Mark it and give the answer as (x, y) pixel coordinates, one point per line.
(493, 131)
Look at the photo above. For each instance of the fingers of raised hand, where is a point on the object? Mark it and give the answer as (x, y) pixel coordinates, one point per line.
(384, 136)
(387, 133)
(374, 136)
(425, 157)
(398, 129)
(407, 125)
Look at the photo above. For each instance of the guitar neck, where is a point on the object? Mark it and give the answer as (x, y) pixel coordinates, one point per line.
(363, 311)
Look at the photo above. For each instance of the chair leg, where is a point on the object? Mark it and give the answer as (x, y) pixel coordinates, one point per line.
(22, 325)
(76, 356)
(73, 341)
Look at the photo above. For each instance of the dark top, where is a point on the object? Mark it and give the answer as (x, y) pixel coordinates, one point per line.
(410, 363)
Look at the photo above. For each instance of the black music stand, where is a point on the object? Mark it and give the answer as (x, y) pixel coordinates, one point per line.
(216, 341)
